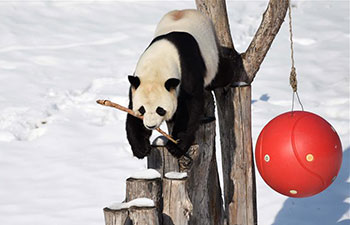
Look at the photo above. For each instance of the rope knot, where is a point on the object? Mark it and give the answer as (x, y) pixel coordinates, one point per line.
(293, 79)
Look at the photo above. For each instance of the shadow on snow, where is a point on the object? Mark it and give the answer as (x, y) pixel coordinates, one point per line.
(326, 208)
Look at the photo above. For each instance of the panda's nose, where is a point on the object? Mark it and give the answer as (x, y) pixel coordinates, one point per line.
(151, 127)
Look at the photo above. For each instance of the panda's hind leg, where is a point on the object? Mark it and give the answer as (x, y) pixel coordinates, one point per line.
(230, 65)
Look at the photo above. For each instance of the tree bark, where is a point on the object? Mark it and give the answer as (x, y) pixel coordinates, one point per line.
(144, 216)
(115, 217)
(177, 205)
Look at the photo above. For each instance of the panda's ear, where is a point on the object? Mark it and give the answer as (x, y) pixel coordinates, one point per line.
(171, 83)
(134, 81)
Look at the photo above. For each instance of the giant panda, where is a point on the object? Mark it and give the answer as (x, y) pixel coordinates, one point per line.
(170, 78)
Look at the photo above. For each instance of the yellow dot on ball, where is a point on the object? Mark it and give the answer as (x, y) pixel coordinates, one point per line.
(310, 158)
(293, 192)
(267, 158)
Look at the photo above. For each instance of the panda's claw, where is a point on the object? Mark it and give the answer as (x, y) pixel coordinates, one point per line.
(186, 160)
(174, 149)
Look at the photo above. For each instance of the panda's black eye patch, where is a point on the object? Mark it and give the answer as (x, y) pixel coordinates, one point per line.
(142, 110)
(161, 111)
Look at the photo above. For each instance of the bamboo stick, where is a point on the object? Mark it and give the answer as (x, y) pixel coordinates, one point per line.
(122, 108)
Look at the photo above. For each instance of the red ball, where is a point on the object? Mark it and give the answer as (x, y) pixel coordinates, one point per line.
(298, 154)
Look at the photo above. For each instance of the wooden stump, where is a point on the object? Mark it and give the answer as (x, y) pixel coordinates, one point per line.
(145, 188)
(144, 215)
(177, 205)
(115, 216)
(161, 160)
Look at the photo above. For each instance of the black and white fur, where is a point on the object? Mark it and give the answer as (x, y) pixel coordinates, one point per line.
(169, 80)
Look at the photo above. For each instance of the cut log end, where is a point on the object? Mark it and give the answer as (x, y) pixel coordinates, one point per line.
(115, 217)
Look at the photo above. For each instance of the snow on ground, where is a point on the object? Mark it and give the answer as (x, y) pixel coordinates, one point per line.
(63, 158)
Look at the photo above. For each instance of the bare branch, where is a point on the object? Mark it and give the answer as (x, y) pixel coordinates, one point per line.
(269, 27)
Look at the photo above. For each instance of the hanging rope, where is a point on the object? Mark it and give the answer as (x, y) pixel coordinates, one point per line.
(293, 74)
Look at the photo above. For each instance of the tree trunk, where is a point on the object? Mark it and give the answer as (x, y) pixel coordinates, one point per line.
(238, 165)
(177, 205)
(234, 105)
(144, 215)
(203, 183)
(115, 217)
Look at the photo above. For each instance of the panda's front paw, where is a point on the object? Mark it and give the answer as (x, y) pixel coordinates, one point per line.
(185, 141)
(174, 149)
(142, 149)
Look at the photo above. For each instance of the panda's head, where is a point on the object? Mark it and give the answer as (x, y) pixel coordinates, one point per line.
(156, 101)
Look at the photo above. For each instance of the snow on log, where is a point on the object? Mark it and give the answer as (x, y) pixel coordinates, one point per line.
(148, 174)
(176, 175)
(177, 205)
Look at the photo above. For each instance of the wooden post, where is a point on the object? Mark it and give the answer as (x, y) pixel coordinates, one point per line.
(115, 216)
(145, 188)
(144, 215)
(160, 159)
(177, 205)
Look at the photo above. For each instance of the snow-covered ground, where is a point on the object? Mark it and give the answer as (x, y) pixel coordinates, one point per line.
(63, 157)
